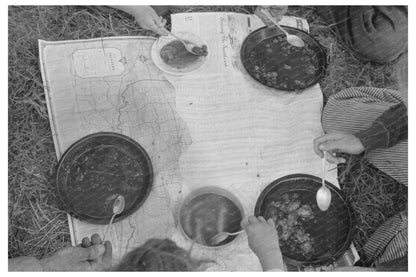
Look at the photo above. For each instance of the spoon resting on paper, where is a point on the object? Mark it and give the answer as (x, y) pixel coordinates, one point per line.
(323, 196)
(118, 208)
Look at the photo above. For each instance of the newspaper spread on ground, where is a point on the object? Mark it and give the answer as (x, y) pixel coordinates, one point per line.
(214, 127)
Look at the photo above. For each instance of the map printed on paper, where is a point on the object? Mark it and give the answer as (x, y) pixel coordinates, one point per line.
(111, 84)
(216, 127)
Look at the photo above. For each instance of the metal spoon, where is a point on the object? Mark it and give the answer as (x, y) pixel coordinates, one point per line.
(189, 46)
(323, 196)
(291, 39)
(223, 236)
(118, 208)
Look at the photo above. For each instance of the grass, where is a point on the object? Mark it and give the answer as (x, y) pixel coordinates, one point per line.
(373, 195)
(37, 227)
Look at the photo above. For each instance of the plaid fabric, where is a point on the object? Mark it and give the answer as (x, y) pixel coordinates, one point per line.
(354, 110)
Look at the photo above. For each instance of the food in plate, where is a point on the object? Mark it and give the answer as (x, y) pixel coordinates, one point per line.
(289, 214)
(200, 51)
(279, 64)
(177, 56)
(209, 214)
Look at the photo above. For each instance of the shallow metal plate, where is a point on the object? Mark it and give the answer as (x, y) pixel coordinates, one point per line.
(265, 52)
(97, 168)
(331, 230)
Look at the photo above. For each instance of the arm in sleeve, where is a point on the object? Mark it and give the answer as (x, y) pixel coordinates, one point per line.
(387, 130)
(24, 264)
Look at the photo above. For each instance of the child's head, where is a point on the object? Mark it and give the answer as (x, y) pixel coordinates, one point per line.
(158, 255)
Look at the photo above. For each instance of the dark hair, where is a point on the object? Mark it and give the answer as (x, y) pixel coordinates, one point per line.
(159, 255)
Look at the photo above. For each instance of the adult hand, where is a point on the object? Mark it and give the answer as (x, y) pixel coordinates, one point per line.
(277, 12)
(336, 142)
(264, 241)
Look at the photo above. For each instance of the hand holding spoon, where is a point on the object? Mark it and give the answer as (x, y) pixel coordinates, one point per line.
(118, 208)
(323, 196)
(291, 39)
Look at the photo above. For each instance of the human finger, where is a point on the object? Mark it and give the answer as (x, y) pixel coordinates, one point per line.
(316, 149)
(96, 239)
(92, 252)
(332, 145)
(244, 223)
(162, 31)
(86, 242)
(278, 12)
(317, 142)
(108, 255)
(252, 219)
(331, 158)
(261, 219)
(270, 221)
(157, 24)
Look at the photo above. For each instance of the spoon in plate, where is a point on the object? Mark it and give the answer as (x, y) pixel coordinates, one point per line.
(118, 208)
(189, 46)
(220, 237)
(291, 39)
(323, 196)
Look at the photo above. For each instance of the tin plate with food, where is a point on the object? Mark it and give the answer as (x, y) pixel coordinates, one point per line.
(307, 235)
(208, 212)
(170, 55)
(271, 60)
(95, 170)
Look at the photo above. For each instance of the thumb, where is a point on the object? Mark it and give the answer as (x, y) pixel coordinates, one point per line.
(108, 255)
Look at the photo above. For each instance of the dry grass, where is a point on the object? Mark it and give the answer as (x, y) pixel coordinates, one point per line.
(36, 225)
(373, 195)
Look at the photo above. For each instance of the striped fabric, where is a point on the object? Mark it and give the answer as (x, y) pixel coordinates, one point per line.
(389, 241)
(355, 109)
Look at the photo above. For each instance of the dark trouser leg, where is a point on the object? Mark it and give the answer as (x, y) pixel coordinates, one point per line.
(371, 33)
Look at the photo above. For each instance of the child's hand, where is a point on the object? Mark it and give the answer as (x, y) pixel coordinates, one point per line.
(277, 12)
(337, 142)
(264, 241)
(146, 17)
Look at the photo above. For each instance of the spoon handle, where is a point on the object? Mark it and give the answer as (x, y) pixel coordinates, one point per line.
(235, 233)
(323, 168)
(268, 15)
(108, 226)
(175, 36)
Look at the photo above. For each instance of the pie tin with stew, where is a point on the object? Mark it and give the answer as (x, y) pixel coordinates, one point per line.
(96, 169)
(331, 230)
(271, 60)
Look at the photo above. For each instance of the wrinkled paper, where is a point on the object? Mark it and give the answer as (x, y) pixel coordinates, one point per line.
(215, 127)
